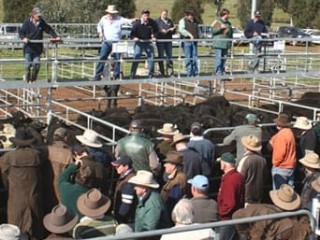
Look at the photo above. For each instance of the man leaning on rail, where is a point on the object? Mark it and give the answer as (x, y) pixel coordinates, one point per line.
(32, 29)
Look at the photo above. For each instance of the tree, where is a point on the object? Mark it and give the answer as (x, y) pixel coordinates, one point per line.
(127, 8)
(180, 6)
(16, 11)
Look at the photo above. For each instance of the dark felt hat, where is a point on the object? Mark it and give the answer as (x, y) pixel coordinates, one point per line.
(22, 138)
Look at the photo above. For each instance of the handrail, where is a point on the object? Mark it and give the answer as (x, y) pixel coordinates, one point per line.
(214, 225)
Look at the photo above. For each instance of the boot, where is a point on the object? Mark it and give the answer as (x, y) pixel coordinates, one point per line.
(28, 76)
(34, 75)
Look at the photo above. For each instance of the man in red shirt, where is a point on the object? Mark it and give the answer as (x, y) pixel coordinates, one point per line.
(231, 194)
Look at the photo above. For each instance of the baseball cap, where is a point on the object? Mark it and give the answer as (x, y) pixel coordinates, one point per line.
(62, 132)
(227, 157)
(124, 160)
(136, 123)
(36, 11)
(200, 182)
(257, 13)
(251, 117)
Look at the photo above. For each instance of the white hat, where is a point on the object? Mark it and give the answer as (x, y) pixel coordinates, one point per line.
(10, 232)
(144, 178)
(112, 9)
(168, 129)
(311, 160)
(89, 138)
(302, 123)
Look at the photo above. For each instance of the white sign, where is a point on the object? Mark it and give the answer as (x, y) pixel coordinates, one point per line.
(279, 45)
(120, 47)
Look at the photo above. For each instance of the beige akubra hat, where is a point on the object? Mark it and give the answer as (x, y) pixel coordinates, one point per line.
(302, 123)
(144, 178)
(111, 9)
(285, 198)
(252, 143)
(311, 160)
(89, 138)
(168, 129)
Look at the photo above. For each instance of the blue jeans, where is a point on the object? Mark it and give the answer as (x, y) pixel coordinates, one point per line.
(164, 47)
(281, 176)
(105, 51)
(138, 48)
(257, 43)
(191, 58)
(220, 58)
(32, 60)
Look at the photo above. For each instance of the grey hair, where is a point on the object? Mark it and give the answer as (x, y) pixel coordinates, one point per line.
(183, 212)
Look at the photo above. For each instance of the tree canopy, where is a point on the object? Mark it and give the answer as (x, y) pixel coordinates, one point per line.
(180, 6)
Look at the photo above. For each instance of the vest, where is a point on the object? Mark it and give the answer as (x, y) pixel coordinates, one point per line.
(191, 27)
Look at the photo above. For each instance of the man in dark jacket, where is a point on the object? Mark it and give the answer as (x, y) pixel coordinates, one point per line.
(32, 29)
(166, 28)
(144, 33)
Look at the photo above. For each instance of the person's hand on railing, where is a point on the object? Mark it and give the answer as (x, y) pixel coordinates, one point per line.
(25, 40)
(55, 40)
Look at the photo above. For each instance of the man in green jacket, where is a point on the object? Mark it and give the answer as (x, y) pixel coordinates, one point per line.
(150, 211)
(222, 30)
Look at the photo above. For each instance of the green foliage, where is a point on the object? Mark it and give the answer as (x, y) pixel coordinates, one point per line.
(127, 8)
(16, 11)
(304, 12)
(180, 6)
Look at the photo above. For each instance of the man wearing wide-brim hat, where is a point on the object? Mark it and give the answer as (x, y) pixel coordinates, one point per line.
(167, 132)
(253, 168)
(284, 199)
(311, 163)
(193, 161)
(176, 183)
(150, 212)
(283, 147)
(307, 137)
(21, 171)
(97, 220)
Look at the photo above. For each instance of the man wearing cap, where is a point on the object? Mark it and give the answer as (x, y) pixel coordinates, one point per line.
(188, 29)
(166, 30)
(22, 176)
(97, 220)
(204, 208)
(231, 194)
(307, 139)
(167, 132)
(176, 182)
(150, 212)
(139, 148)
(284, 199)
(249, 128)
(311, 163)
(144, 33)
(32, 29)
(59, 155)
(253, 169)
(202, 145)
(193, 163)
(124, 200)
(283, 147)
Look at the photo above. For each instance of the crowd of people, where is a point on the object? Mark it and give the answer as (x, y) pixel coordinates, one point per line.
(63, 191)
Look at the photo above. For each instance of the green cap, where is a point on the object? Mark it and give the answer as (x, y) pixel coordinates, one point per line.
(227, 157)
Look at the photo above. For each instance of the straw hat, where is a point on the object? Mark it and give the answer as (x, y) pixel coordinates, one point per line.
(144, 178)
(285, 198)
(178, 138)
(168, 129)
(111, 9)
(93, 203)
(316, 184)
(283, 120)
(252, 143)
(311, 159)
(302, 123)
(89, 138)
(174, 157)
(60, 220)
